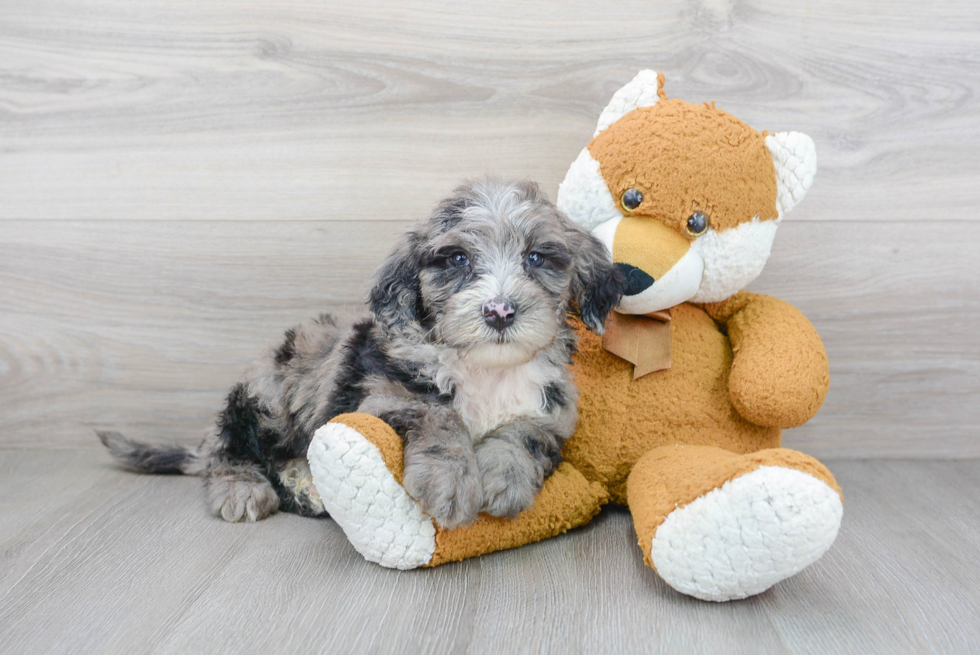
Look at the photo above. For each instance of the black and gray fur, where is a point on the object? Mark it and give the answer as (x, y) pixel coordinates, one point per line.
(483, 406)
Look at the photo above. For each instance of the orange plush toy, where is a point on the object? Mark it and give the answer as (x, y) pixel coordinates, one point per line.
(683, 399)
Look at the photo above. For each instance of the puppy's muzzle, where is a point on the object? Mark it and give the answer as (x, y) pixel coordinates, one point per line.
(499, 313)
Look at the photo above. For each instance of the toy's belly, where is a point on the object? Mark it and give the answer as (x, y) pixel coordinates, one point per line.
(620, 418)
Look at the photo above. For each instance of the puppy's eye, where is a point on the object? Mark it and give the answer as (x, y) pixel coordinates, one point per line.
(697, 224)
(631, 199)
(534, 260)
(458, 259)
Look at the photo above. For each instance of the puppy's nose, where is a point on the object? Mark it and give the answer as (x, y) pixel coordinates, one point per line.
(637, 281)
(498, 313)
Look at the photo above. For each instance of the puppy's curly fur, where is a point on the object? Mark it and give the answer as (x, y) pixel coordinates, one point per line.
(483, 401)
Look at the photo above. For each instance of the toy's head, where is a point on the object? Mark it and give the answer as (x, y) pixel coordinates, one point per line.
(686, 197)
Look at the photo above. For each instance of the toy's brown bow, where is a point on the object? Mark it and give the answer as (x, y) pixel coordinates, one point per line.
(644, 341)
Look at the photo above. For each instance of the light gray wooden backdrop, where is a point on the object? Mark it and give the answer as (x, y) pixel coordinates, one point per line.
(181, 180)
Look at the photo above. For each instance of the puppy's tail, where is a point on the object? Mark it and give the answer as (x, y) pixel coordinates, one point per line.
(153, 459)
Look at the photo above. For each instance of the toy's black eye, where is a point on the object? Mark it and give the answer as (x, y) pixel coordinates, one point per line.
(631, 199)
(535, 260)
(697, 224)
(458, 259)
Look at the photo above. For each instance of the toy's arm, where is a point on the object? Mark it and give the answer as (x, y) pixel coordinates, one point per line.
(779, 375)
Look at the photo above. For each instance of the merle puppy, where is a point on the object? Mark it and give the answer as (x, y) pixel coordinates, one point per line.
(465, 354)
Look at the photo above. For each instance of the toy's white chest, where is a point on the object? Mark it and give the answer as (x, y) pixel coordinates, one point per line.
(489, 397)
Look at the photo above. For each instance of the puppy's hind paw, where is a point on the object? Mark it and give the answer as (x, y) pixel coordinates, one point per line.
(235, 499)
(297, 480)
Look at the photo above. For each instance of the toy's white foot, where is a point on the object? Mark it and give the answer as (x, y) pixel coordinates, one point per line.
(745, 536)
(363, 496)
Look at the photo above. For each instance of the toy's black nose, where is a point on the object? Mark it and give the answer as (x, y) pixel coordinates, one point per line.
(499, 313)
(636, 280)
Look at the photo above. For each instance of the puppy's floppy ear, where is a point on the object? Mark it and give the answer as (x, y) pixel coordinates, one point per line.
(597, 285)
(395, 296)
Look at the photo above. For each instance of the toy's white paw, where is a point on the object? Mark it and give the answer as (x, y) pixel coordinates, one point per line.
(379, 518)
(747, 535)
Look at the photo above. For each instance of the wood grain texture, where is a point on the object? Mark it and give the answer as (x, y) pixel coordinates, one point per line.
(299, 110)
(144, 326)
(180, 182)
(95, 559)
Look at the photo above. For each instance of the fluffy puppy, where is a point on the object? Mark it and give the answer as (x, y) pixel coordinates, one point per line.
(465, 354)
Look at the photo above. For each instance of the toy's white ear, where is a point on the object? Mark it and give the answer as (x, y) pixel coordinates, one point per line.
(795, 157)
(642, 91)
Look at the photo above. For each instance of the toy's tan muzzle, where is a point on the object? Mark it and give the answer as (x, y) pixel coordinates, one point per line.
(648, 245)
(661, 268)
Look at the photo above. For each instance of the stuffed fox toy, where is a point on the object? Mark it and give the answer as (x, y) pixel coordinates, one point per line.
(682, 400)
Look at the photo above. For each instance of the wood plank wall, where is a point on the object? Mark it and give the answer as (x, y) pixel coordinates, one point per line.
(181, 180)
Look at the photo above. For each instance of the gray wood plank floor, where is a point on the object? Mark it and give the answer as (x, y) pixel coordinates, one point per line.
(98, 560)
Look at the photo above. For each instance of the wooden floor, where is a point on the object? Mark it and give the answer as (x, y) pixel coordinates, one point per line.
(97, 560)
(181, 180)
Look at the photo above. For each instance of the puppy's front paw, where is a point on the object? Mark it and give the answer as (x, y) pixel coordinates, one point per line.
(446, 484)
(511, 478)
